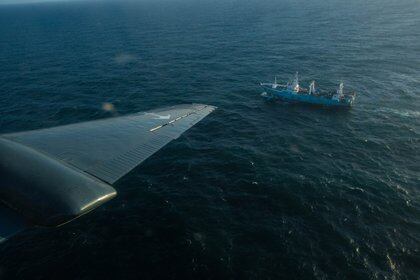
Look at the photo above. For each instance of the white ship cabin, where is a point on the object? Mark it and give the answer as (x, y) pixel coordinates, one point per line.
(294, 86)
(340, 93)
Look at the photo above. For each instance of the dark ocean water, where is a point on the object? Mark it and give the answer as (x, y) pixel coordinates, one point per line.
(256, 190)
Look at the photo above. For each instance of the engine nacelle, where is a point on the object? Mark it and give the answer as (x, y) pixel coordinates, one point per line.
(46, 191)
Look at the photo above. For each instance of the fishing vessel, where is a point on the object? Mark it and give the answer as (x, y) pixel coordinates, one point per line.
(293, 92)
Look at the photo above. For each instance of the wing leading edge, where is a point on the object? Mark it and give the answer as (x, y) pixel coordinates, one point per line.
(67, 162)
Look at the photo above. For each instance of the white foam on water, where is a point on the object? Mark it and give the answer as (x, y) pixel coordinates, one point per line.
(402, 113)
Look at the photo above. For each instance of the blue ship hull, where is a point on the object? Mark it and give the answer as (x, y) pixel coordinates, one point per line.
(291, 96)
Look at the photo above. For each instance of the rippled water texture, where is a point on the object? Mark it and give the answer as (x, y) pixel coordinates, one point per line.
(255, 191)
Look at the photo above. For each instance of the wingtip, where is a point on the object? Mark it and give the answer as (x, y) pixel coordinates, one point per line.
(204, 106)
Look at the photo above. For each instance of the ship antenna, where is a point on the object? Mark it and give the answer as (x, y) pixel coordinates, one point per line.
(296, 82)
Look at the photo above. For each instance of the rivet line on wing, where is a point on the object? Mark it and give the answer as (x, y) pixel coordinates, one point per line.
(175, 120)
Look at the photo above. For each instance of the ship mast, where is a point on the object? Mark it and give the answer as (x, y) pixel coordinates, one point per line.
(295, 85)
(275, 85)
(340, 91)
(312, 88)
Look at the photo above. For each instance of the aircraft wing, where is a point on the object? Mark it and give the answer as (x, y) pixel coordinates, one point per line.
(53, 175)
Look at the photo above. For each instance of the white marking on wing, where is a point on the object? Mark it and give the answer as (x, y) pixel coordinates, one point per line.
(159, 117)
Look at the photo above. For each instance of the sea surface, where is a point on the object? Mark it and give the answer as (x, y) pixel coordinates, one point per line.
(257, 190)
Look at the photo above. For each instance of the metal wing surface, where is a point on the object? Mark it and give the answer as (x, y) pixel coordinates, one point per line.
(109, 148)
